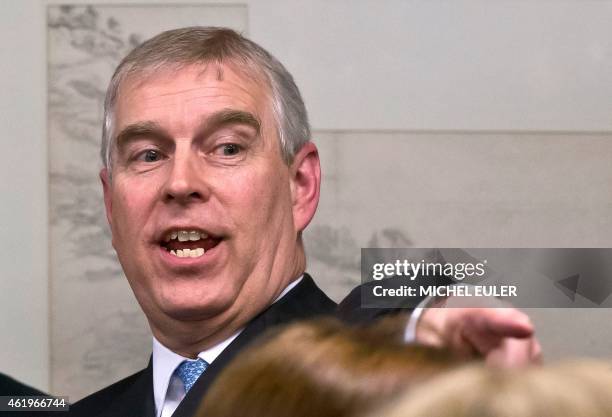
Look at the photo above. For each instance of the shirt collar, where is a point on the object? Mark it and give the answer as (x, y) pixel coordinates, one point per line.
(165, 361)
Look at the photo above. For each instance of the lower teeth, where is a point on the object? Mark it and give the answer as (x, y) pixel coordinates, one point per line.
(188, 253)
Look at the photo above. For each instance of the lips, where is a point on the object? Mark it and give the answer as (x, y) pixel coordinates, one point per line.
(188, 242)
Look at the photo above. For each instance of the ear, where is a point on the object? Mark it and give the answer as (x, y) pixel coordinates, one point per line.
(305, 185)
(108, 202)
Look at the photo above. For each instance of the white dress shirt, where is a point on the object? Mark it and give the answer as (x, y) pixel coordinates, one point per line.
(168, 389)
(413, 320)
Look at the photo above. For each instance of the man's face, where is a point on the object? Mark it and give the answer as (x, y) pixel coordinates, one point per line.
(200, 201)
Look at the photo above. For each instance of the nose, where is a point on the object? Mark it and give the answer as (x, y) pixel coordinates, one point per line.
(185, 183)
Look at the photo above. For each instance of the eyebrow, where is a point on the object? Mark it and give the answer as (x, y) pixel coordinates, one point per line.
(139, 129)
(228, 117)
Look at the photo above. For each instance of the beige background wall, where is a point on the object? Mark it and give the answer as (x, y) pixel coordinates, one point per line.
(446, 123)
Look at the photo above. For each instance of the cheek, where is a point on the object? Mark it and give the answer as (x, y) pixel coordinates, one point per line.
(130, 207)
(266, 190)
(255, 200)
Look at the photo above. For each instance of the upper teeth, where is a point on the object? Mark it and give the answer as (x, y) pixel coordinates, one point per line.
(185, 235)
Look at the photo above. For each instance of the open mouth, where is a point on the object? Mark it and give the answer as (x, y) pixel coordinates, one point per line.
(188, 243)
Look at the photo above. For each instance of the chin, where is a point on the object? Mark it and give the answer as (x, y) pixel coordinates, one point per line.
(197, 309)
(194, 313)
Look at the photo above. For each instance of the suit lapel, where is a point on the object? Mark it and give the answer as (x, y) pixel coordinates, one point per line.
(137, 400)
(306, 300)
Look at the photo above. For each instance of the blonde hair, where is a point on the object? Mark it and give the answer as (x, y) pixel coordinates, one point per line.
(320, 368)
(574, 389)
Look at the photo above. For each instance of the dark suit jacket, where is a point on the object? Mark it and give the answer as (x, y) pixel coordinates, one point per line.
(133, 396)
(12, 387)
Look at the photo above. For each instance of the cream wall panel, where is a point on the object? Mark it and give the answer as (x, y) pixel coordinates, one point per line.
(24, 315)
(446, 64)
(456, 190)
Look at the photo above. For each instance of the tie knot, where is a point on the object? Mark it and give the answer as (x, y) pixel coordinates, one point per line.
(189, 371)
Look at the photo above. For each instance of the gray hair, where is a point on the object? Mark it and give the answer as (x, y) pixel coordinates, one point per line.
(201, 45)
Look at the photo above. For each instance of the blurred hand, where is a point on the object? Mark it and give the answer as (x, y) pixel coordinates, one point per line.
(504, 337)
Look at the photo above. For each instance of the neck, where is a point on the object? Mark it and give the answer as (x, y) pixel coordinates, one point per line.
(188, 341)
(189, 338)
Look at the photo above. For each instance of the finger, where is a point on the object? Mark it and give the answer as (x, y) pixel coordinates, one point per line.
(487, 329)
(462, 347)
(500, 322)
(512, 353)
(482, 342)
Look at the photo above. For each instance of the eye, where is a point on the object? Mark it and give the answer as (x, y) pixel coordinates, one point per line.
(230, 149)
(150, 155)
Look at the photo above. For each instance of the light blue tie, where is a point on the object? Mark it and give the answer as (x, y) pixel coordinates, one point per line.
(190, 371)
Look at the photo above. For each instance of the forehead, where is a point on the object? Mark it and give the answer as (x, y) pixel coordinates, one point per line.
(181, 96)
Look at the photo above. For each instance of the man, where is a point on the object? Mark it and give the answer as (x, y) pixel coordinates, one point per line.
(209, 180)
